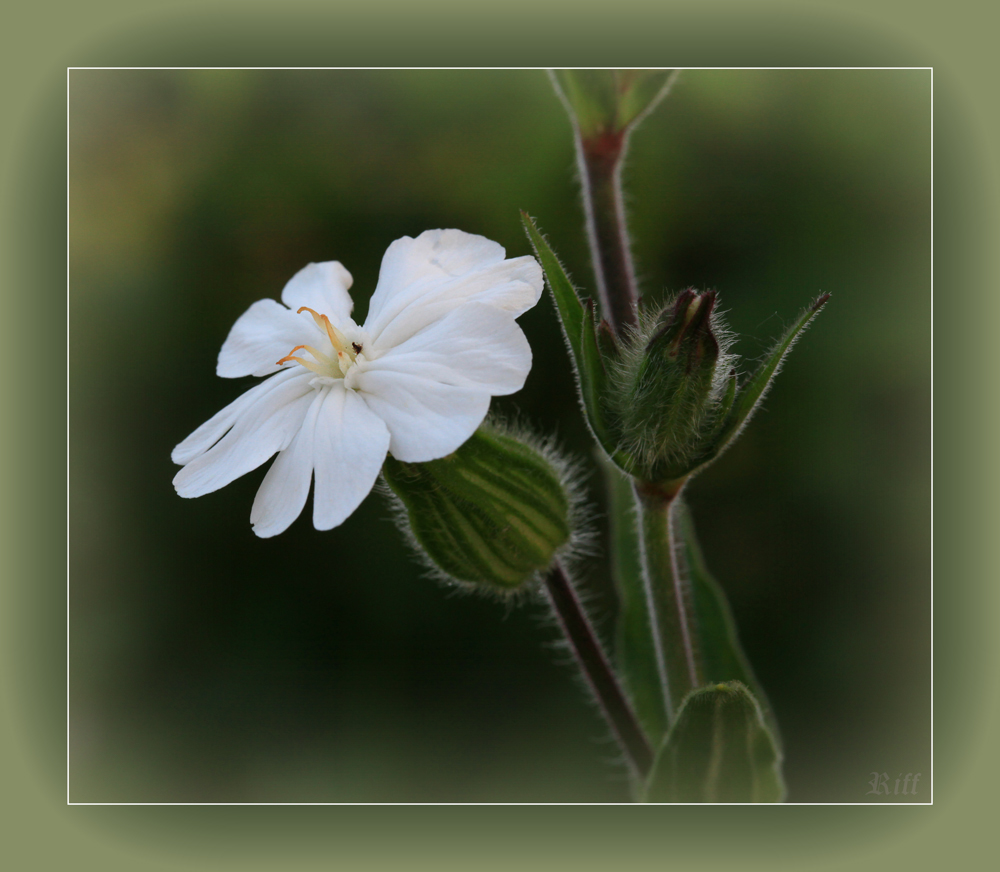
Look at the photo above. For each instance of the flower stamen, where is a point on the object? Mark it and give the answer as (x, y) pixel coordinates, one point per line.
(337, 339)
(317, 367)
(325, 364)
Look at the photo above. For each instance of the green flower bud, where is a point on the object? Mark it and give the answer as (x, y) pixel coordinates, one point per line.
(671, 385)
(492, 515)
(663, 400)
(675, 402)
(681, 356)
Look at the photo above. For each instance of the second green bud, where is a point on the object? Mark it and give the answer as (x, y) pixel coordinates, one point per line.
(671, 384)
(492, 515)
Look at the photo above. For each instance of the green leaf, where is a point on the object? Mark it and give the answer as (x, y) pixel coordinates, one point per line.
(607, 342)
(728, 398)
(718, 750)
(594, 378)
(723, 658)
(635, 653)
(568, 304)
(640, 91)
(589, 343)
(756, 387)
(590, 96)
(609, 101)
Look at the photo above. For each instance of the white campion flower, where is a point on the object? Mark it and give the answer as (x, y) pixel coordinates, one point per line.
(415, 380)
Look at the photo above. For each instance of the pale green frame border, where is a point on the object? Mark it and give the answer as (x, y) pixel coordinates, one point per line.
(41, 832)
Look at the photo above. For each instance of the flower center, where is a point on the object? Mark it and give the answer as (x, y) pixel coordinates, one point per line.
(333, 363)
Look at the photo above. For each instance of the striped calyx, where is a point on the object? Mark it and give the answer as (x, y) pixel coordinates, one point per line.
(492, 514)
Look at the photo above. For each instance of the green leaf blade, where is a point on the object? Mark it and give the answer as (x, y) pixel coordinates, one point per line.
(641, 91)
(610, 101)
(590, 97)
(756, 387)
(723, 658)
(568, 304)
(588, 342)
(594, 379)
(718, 750)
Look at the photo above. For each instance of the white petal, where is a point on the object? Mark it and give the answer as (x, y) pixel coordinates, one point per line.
(322, 287)
(423, 279)
(426, 418)
(284, 490)
(211, 431)
(261, 427)
(262, 335)
(473, 346)
(351, 442)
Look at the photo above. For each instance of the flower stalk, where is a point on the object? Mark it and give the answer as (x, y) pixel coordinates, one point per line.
(597, 670)
(496, 516)
(600, 160)
(663, 399)
(670, 603)
(604, 107)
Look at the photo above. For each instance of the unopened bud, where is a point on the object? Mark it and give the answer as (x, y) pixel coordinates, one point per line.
(491, 515)
(683, 346)
(671, 383)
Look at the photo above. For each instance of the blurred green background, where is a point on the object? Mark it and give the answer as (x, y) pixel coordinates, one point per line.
(208, 665)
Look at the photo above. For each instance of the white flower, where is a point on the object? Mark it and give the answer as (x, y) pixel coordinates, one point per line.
(416, 379)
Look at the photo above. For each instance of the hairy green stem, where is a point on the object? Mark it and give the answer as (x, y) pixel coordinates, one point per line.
(597, 670)
(635, 654)
(600, 158)
(668, 594)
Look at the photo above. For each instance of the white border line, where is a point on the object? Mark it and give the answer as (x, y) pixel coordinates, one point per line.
(932, 434)
(587, 804)
(67, 440)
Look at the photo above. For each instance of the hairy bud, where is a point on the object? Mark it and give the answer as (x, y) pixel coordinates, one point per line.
(663, 399)
(492, 515)
(676, 403)
(671, 383)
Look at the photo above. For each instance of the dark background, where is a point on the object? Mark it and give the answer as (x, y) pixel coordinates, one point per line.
(208, 665)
